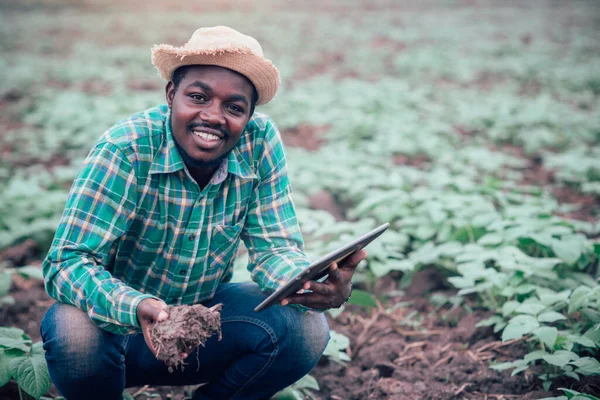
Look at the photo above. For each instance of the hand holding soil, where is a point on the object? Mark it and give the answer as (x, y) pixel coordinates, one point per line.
(336, 289)
(148, 312)
(186, 328)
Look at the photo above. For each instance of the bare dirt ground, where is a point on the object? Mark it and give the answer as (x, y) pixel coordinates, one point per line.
(417, 351)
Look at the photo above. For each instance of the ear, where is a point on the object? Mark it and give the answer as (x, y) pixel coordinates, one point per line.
(170, 93)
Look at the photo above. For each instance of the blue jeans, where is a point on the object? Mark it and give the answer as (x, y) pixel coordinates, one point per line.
(260, 353)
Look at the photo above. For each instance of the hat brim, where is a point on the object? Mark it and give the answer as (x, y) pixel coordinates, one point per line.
(260, 71)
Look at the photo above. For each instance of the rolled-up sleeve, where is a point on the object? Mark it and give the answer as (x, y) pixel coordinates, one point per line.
(99, 210)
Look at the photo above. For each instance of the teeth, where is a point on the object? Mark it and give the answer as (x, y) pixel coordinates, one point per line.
(206, 136)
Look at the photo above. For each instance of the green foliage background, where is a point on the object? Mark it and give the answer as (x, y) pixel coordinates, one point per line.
(470, 98)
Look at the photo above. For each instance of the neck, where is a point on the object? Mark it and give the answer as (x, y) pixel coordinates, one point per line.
(202, 175)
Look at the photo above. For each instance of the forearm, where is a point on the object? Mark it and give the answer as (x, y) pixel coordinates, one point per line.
(74, 278)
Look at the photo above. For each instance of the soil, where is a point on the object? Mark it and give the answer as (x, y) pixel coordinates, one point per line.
(324, 200)
(187, 328)
(309, 137)
(415, 351)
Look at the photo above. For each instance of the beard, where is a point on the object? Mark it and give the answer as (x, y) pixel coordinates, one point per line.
(192, 162)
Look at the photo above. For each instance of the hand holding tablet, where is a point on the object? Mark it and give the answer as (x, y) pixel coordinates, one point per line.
(325, 295)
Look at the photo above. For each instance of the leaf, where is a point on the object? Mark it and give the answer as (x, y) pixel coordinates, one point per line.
(336, 312)
(37, 349)
(519, 369)
(336, 347)
(535, 355)
(547, 334)
(14, 338)
(550, 297)
(517, 330)
(31, 374)
(362, 298)
(14, 333)
(573, 394)
(460, 282)
(491, 239)
(584, 341)
(5, 282)
(546, 385)
(127, 396)
(489, 321)
(509, 307)
(555, 398)
(560, 358)
(530, 308)
(31, 271)
(568, 250)
(550, 316)
(587, 366)
(5, 357)
(578, 299)
(307, 382)
(520, 365)
(525, 288)
(522, 319)
(503, 366)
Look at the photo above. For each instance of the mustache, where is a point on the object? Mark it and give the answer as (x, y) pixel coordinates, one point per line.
(224, 131)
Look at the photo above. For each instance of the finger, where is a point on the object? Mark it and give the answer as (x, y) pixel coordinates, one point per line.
(353, 261)
(322, 289)
(334, 273)
(148, 338)
(313, 300)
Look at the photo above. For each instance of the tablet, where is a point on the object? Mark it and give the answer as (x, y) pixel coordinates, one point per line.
(319, 268)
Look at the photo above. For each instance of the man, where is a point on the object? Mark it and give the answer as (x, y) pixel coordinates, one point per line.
(155, 217)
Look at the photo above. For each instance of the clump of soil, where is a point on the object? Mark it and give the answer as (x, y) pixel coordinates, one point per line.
(186, 328)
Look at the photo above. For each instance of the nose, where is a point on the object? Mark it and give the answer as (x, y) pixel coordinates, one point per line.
(213, 115)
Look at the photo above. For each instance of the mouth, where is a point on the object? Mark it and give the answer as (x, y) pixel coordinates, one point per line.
(207, 138)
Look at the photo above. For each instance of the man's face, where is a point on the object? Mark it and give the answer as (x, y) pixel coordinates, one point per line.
(209, 111)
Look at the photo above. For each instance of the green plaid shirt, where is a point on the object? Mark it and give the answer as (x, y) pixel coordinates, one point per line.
(136, 225)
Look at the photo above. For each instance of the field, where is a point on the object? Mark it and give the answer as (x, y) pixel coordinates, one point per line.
(472, 126)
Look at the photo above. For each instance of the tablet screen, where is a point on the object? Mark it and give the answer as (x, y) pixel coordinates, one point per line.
(318, 269)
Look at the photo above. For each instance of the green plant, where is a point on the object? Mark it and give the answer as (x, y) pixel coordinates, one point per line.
(23, 361)
(6, 274)
(572, 395)
(301, 390)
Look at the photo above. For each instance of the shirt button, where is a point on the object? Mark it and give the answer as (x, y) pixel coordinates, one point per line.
(182, 272)
(192, 237)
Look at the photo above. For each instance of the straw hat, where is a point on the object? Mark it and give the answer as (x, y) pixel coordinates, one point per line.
(223, 47)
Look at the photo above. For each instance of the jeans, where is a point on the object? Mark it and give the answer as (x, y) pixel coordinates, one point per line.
(260, 353)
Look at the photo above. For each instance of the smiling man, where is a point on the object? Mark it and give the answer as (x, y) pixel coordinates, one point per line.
(155, 218)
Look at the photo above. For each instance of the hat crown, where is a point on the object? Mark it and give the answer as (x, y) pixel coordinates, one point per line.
(222, 38)
(223, 47)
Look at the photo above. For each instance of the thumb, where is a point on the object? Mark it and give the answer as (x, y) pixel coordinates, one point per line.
(162, 315)
(155, 313)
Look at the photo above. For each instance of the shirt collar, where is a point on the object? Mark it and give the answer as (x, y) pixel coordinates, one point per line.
(167, 159)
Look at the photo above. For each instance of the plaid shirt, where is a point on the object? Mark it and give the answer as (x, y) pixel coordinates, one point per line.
(136, 225)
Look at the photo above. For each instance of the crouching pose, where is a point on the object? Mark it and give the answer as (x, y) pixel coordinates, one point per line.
(155, 217)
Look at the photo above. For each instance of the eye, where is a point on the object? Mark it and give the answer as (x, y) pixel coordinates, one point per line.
(236, 109)
(198, 97)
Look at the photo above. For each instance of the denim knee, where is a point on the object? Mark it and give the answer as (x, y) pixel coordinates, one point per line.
(84, 361)
(301, 337)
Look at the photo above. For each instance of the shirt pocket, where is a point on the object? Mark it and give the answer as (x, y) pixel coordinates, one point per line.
(224, 243)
